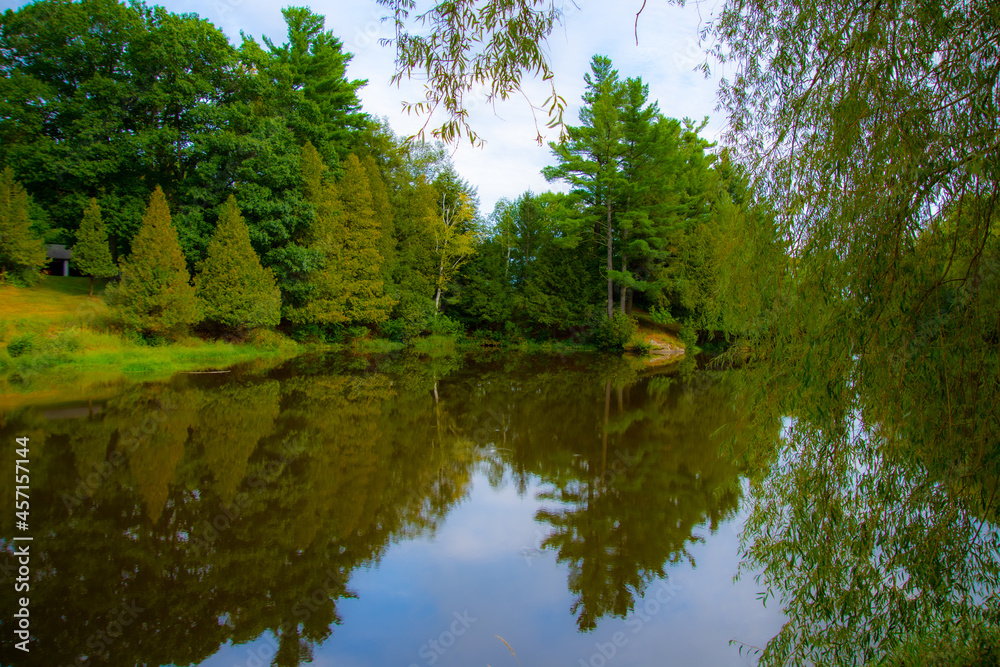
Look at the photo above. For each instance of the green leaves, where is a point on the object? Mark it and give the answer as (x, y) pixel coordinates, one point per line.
(465, 47)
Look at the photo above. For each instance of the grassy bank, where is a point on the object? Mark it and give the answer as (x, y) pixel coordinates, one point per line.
(54, 335)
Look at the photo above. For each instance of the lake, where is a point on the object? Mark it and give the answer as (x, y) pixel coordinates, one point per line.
(513, 510)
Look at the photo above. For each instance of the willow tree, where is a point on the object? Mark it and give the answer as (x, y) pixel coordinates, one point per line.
(871, 129)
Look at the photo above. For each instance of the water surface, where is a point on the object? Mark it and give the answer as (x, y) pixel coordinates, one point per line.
(404, 511)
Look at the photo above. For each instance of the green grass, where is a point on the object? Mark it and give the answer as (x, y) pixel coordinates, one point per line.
(53, 298)
(54, 336)
(436, 345)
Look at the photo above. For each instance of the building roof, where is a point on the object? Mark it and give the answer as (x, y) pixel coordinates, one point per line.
(59, 252)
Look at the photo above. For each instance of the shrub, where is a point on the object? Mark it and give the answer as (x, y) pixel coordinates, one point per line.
(394, 329)
(661, 315)
(21, 345)
(442, 325)
(614, 334)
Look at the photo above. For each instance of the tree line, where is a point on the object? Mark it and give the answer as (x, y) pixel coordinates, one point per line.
(244, 187)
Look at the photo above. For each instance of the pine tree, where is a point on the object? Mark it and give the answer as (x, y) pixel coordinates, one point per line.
(234, 290)
(590, 159)
(91, 253)
(20, 249)
(362, 265)
(155, 295)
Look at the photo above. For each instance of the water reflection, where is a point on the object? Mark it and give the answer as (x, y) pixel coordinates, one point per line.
(178, 517)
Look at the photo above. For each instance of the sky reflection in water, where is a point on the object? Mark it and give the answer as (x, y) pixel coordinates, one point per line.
(528, 498)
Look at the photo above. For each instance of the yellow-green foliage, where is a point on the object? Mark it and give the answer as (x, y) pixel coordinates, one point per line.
(348, 239)
(383, 216)
(20, 249)
(234, 289)
(155, 295)
(324, 301)
(367, 302)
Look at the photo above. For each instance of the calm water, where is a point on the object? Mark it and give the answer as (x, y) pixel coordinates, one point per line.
(399, 512)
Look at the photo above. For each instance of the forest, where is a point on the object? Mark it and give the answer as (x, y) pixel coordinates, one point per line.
(227, 189)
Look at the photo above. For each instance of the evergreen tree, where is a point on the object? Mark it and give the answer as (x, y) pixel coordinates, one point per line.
(362, 264)
(155, 295)
(309, 75)
(589, 160)
(91, 253)
(235, 291)
(20, 249)
(384, 216)
(321, 297)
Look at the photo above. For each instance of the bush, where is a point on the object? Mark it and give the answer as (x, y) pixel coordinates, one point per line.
(394, 329)
(442, 325)
(268, 339)
(21, 345)
(661, 315)
(689, 336)
(614, 334)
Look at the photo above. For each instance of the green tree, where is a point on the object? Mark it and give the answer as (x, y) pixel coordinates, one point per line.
(320, 299)
(455, 239)
(155, 295)
(314, 95)
(362, 260)
(590, 157)
(91, 253)
(234, 290)
(132, 95)
(20, 249)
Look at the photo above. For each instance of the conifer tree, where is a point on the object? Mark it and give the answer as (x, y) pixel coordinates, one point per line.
(322, 298)
(20, 248)
(384, 216)
(155, 295)
(91, 253)
(362, 265)
(234, 290)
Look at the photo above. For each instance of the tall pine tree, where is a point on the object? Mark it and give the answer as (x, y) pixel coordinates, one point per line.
(155, 295)
(91, 253)
(590, 158)
(235, 291)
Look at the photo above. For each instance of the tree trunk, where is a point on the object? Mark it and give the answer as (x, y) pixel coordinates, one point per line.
(91, 286)
(611, 284)
(624, 287)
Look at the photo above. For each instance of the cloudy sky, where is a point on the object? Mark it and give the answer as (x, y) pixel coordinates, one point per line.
(666, 57)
